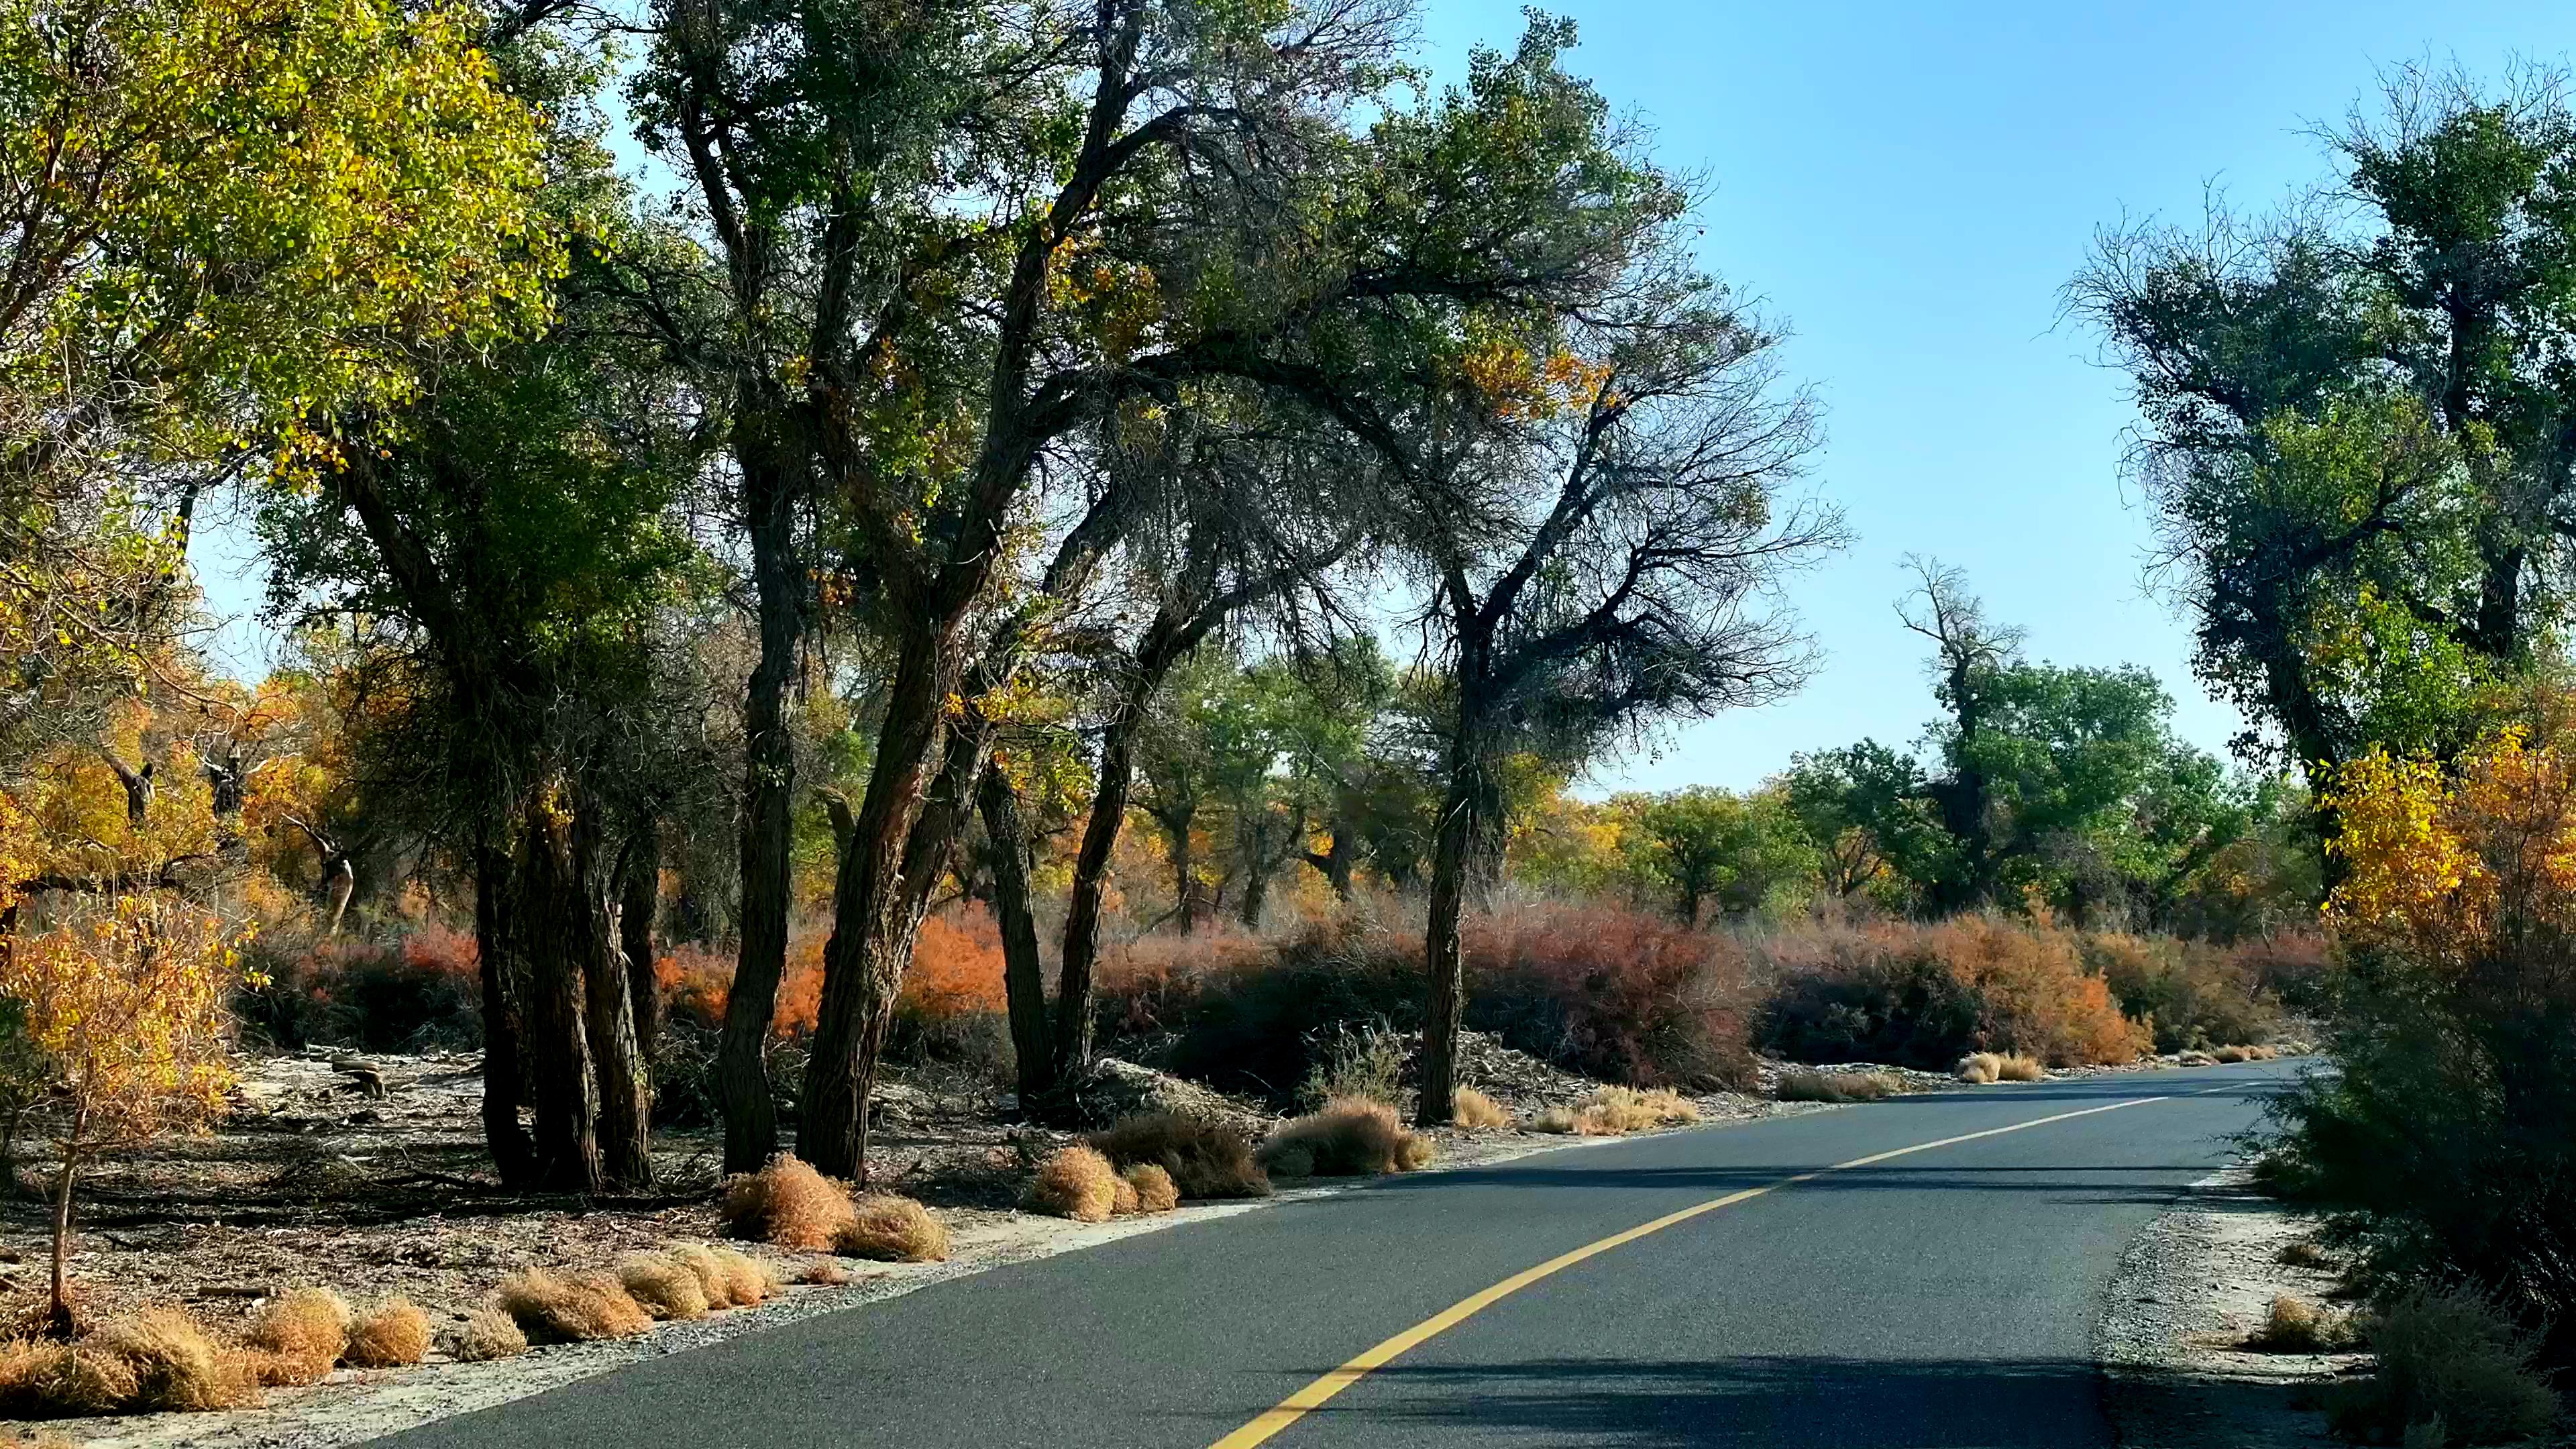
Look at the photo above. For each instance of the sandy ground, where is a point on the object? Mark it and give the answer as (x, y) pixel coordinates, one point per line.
(2186, 1296)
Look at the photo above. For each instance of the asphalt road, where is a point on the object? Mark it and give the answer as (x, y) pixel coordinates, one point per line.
(1941, 1297)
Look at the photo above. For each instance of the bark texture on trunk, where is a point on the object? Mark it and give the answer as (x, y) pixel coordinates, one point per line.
(555, 942)
(513, 1155)
(1446, 1001)
(639, 898)
(1023, 972)
(769, 786)
(623, 1084)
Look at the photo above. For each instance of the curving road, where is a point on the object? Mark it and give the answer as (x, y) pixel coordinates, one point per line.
(1918, 1290)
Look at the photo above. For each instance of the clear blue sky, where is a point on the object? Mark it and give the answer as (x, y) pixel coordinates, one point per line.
(1909, 186)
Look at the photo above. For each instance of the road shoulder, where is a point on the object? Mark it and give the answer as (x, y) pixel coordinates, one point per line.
(2187, 1293)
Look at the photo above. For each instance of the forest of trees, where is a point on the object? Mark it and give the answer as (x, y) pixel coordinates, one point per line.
(1163, 468)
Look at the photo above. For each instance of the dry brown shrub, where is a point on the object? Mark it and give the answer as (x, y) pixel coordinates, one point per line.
(1205, 1159)
(2015, 1067)
(1837, 1086)
(580, 1309)
(1288, 1159)
(1076, 1183)
(749, 1282)
(1153, 1186)
(1349, 1137)
(786, 1203)
(2229, 1055)
(892, 1229)
(824, 1273)
(393, 1334)
(1471, 1108)
(300, 1334)
(2291, 1326)
(176, 1366)
(46, 1379)
(710, 1271)
(1980, 1068)
(2303, 1254)
(1560, 1120)
(1123, 1203)
(2196, 1059)
(663, 1285)
(488, 1334)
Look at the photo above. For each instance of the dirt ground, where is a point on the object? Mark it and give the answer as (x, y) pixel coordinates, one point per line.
(2188, 1293)
(367, 1174)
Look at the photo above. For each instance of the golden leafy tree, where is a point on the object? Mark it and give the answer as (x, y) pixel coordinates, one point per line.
(123, 1005)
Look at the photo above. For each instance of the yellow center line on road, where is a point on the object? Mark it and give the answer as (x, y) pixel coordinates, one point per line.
(1315, 1395)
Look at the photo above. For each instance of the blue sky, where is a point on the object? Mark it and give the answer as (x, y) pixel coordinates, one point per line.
(1909, 186)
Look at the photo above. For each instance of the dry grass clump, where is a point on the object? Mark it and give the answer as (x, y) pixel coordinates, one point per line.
(393, 1334)
(1471, 1108)
(1155, 1191)
(2292, 1326)
(786, 1203)
(1837, 1086)
(1124, 1203)
(824, 1273)
(1205, 1159)
(1076, 1183)
(2015, 1067)
(1349, 1137)
(1560, 1120)
(299, 1335)
(891, 1229)
(1980, 1068)
(2303, 1254)
(579, 1309)
(488, 1334)
(176, 1366)
(44, 1379)
(2449, 1360)
(700, 1260)
(2229, 1054)
(1616, 1111)
(662, 1285)
(2196, 1059)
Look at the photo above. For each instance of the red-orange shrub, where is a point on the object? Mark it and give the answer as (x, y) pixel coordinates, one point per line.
(956, 970)
(1615, 994)
(1926, 994)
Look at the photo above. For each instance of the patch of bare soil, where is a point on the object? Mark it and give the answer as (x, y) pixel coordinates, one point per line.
(367, 1174)
(2187, 1295)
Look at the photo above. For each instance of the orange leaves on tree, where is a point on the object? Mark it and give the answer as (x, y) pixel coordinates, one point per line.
(2450, 867)
(1520, 388)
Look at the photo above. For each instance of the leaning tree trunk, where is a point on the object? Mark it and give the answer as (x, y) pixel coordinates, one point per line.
(769, 784)
(513, 1156)
(893, 854)
(60, 1319)
(556, 938)
(1023, 973)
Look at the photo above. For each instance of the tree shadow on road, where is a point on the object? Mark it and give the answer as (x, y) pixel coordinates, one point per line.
(1949, 1403)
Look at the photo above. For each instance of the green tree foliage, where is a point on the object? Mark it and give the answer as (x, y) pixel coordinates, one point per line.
(2356, 419)
(1738, 852)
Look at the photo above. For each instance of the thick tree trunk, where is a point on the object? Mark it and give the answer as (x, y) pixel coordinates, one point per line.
(557, 940)
(1185, 868)
(1023, 973)
(639, 896)
(769, 784)
(876, 903)
(624, 1085)
(513, 1156)
(1336, 860)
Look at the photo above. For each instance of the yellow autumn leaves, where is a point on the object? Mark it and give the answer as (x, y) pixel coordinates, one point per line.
(2447, 866)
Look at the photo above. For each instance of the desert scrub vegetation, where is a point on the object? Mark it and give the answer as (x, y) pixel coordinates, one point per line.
(580, 1308)
(891, 1228)
(786, 1204)
(392, 1334)
(157, 1360)
(1205, 1159)
(1806, 1086)
(2293, 1325)
(1077, 1183)
(1347, 1137)
(487, 1334)
(2451, 1369)
(663, 1286)
(299, 1335)
(1473, 1109)
(1924, 995)
(1616, 1112)
(1152, 1183)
